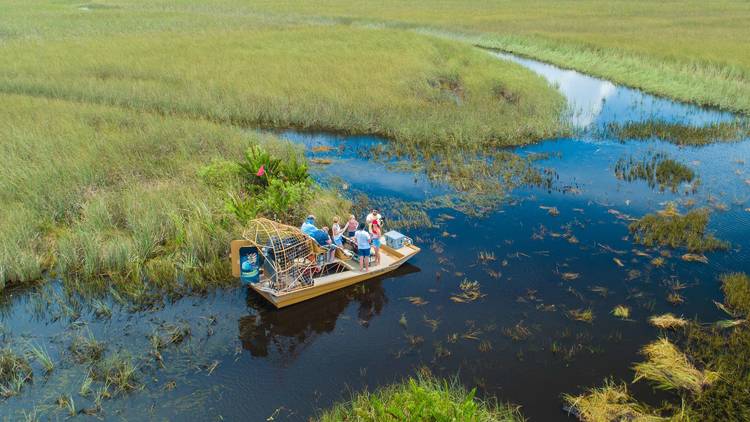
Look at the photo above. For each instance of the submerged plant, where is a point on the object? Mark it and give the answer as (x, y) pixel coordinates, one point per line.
(670, 369)
(667, 229)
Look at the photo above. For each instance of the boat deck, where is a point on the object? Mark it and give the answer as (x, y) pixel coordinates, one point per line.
(390, 259)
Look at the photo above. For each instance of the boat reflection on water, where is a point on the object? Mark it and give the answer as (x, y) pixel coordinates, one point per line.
(287, 331)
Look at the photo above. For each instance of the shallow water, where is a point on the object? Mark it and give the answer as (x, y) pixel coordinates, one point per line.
(245, 359)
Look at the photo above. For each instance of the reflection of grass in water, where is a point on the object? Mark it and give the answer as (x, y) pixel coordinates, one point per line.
(421, 398)
(680, 134)
(656, 169)
(609, 403)
(674, 230)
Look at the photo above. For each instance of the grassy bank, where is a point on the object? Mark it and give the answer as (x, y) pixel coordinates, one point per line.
(104, 195)
(408, 87)
(423, 398)
(691, 51)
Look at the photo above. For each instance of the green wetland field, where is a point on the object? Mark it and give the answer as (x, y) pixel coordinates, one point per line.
(601, 265)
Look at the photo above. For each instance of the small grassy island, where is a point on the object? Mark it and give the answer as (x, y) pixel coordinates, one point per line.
(421, 398)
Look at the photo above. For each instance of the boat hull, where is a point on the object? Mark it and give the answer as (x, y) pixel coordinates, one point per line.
(345, 279)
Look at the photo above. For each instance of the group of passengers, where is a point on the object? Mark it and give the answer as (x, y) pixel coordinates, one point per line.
(364, 236)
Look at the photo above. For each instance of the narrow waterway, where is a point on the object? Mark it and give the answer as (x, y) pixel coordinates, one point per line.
(517, 342)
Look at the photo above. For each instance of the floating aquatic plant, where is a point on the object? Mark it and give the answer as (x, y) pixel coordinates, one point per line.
(621, 311)
(610, 403)
(670, 369)
(583, 315)
(470, 291)
(667, 321)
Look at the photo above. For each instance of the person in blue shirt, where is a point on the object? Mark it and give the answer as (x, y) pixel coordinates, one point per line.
(308, 226)
(362, 238)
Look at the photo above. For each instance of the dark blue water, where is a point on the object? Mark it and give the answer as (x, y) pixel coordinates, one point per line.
(247, 360)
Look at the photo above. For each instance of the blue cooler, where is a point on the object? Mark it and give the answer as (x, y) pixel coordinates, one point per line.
(249, 269)
(396, 240)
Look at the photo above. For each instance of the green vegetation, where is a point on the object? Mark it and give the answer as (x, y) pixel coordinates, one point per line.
(118, 372)
(423, 398)
(676, 231)
(15, 371)
(656, 169)
(101, 192)
(736, 289)
(407, 87)
(692, 51)
(680, 134)
(727, 350)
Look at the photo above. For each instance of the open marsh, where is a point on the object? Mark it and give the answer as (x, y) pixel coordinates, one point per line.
(521, 270)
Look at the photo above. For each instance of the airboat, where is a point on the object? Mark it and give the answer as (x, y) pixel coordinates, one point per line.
(285, 266)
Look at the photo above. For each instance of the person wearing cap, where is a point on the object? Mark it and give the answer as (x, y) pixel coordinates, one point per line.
(373, 216)
(308, 226)
(376, 232)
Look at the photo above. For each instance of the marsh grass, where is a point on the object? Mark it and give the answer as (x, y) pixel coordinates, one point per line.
(728, 352)
(15, 371)
(87, 349)
(676, 231)
(122, 208)
(611, 402)
(670, 369)
(421, 398)
(408, 87)
(117, 371)
(656, 169)
(667, 321)
(736, 288)
(41, 355)
(583, 315)
(681, 134)
(621, 311)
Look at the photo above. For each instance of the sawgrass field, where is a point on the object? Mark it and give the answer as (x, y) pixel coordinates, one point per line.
(111, 111)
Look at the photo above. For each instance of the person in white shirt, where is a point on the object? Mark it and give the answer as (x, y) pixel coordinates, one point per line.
(363, 248)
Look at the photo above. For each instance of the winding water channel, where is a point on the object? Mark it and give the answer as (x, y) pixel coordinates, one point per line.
(516, 343)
